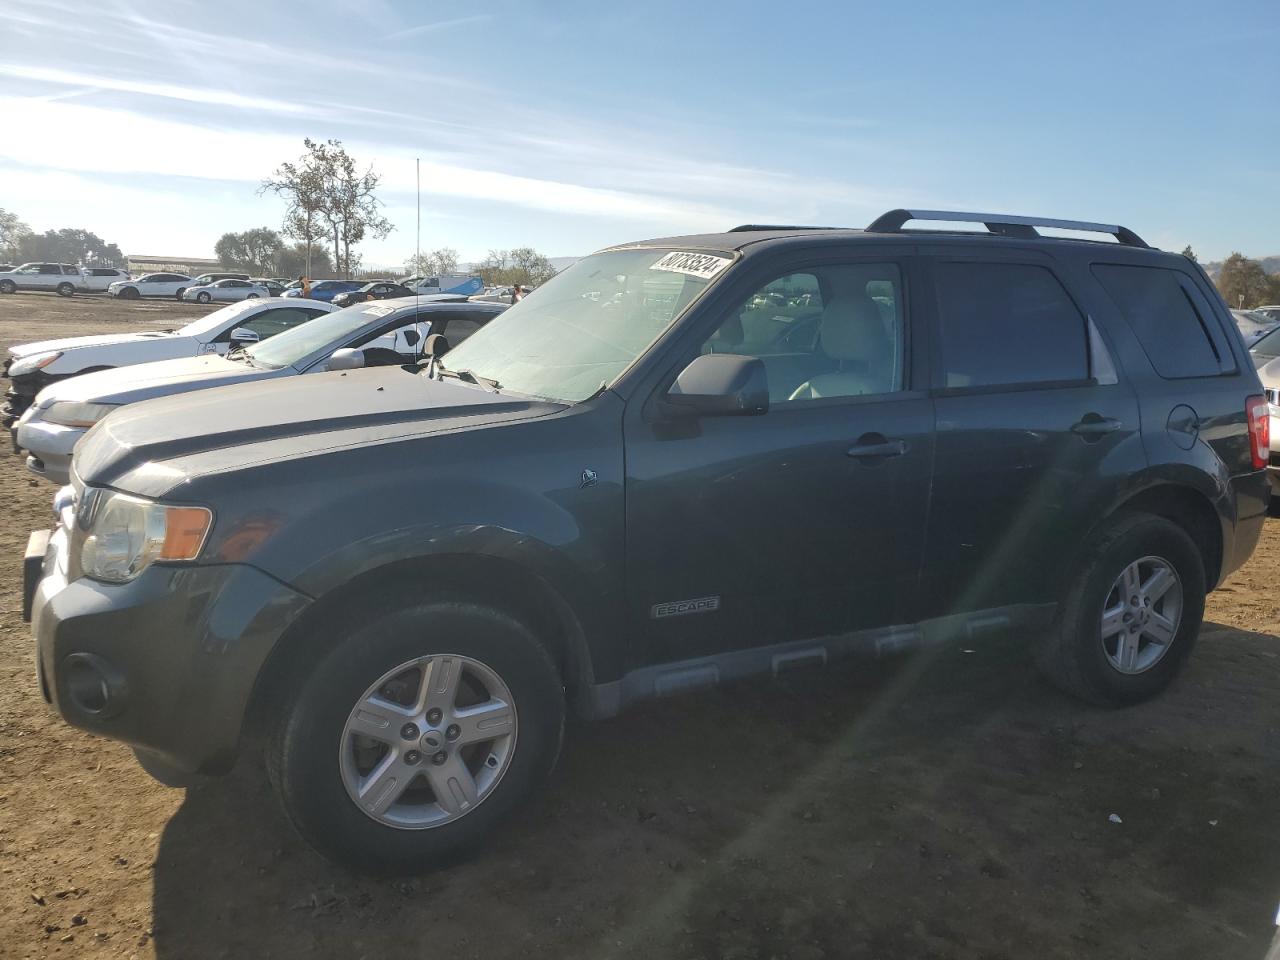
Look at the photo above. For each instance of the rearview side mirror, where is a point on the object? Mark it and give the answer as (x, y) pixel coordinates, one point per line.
(720, 385)
(244, 335)
(348, 358)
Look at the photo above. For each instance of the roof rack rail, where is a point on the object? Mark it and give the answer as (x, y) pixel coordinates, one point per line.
(1002, 224)
(743, 228)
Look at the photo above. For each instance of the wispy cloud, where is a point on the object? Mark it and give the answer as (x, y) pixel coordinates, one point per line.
(173, 91)
(438, 25)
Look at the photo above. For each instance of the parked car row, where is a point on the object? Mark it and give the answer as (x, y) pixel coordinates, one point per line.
(678, 463)
(65, 279)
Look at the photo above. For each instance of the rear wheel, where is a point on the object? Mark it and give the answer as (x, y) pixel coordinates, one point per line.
(416, 734)
(1132, 615)
(66, 289)
(8, 286)
(252, 296)
(181, 291)
(203, 297)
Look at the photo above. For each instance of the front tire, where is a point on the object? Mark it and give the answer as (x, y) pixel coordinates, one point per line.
(1131, 616)
(416, 734)
(8, 286)
(130, 293)
(203, 297)
(66, 290)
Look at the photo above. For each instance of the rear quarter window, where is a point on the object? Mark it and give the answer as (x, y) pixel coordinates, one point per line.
(1168, 316)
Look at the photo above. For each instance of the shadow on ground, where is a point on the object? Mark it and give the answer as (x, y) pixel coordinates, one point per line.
(947, 805)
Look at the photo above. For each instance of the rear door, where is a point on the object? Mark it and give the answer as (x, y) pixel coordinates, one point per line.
(1035, 429)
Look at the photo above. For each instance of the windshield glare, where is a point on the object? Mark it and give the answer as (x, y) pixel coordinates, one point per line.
(212, 322)
(296, 344)
(585, 326)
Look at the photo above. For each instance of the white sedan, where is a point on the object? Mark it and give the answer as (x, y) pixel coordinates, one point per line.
(149, 285)
(226, 291)
(31, 367)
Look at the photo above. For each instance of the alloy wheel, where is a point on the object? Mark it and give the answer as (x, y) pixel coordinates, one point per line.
(428, 742)
(1141, 615)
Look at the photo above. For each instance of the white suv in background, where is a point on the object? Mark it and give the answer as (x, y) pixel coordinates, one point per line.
(149, 285)
(98, 279)
(63, 278)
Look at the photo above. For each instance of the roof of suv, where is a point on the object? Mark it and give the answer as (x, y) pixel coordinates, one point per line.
(1002, 227)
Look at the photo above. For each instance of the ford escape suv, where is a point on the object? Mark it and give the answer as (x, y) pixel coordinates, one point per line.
(679, 462)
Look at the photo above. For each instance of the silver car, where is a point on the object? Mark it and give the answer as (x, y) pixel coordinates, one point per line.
(380, 333)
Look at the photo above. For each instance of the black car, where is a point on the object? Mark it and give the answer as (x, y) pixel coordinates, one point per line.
(677, 463)
(378, 290)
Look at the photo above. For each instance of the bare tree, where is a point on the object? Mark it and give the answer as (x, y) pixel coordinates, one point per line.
(302, 186)
(350, 208)
(443, 260)
(12, 232)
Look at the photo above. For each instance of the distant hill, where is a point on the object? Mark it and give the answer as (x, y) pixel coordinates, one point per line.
(1269, 264)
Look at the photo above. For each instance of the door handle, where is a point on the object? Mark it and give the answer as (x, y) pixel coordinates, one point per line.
(1093, 426)
(874, 446)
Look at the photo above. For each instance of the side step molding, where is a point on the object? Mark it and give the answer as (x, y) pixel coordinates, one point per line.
(673, 679)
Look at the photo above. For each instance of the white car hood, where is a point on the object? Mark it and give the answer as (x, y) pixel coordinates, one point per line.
(72, 343)
(142, 381)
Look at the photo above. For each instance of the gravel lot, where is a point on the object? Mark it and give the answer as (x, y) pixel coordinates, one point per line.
(948, 806)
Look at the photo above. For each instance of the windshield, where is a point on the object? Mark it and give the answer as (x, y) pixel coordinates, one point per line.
(287, 348)
(211, 322)
(585, 326)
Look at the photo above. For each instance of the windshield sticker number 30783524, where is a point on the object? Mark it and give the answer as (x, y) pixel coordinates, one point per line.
(704, 265)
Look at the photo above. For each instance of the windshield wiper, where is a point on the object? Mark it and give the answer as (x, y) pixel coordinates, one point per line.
(467, 376)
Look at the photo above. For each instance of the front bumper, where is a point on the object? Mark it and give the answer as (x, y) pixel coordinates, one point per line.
(166, 663)
(49, 447)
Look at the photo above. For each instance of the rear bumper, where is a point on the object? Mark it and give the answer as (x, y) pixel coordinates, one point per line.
(166, 663)
(1251, 494)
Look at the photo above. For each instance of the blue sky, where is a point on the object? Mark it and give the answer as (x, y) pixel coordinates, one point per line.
(568, 126)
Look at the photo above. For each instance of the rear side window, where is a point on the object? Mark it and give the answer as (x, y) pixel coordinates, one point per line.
(1007, 323)
(1161, 311)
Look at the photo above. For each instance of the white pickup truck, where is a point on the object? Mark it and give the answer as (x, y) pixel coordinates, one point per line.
(62, 278)
(31, 367)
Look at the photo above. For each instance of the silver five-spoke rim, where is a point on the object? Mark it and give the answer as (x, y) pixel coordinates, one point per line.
(1141, 614)
(428, 742)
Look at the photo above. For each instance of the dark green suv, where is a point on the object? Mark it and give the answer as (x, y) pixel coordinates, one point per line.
(679, 462)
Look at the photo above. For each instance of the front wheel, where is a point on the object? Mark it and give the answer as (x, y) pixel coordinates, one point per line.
(130, 293)
(416, 735)
(1132, 614)
(8, 286)
(203, 297)
(66, 290)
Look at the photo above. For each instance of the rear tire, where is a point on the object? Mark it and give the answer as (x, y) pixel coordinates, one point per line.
(1105, 647)
(252, 296)
(66, 290)
(8, 286)
(319, 765)
(181, 291)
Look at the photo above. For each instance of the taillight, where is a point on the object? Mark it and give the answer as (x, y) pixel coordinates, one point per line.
(1259, 430)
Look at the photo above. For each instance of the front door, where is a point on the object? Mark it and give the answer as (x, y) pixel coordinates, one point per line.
(808, 520)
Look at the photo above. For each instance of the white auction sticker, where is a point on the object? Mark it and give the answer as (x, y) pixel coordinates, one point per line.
(704, 265)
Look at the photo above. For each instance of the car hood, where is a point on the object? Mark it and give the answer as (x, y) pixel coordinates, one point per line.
(151, 447)
(143, 381)
(73, 343)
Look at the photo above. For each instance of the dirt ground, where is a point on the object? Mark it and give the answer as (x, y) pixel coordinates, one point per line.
(948, 805)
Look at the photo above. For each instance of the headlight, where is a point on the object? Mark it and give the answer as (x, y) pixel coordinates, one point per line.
(70, 413)
(37, 361)
(127, 534)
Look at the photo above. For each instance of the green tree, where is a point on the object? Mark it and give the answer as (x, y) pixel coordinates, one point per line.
(1190, 254)
(256, 251)
(69, 245)
(1244, 283)
(12, 231)
(350, 207)
(292, 262)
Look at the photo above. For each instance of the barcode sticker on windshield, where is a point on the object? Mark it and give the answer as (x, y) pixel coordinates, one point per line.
(704, 265)
(381, 309)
